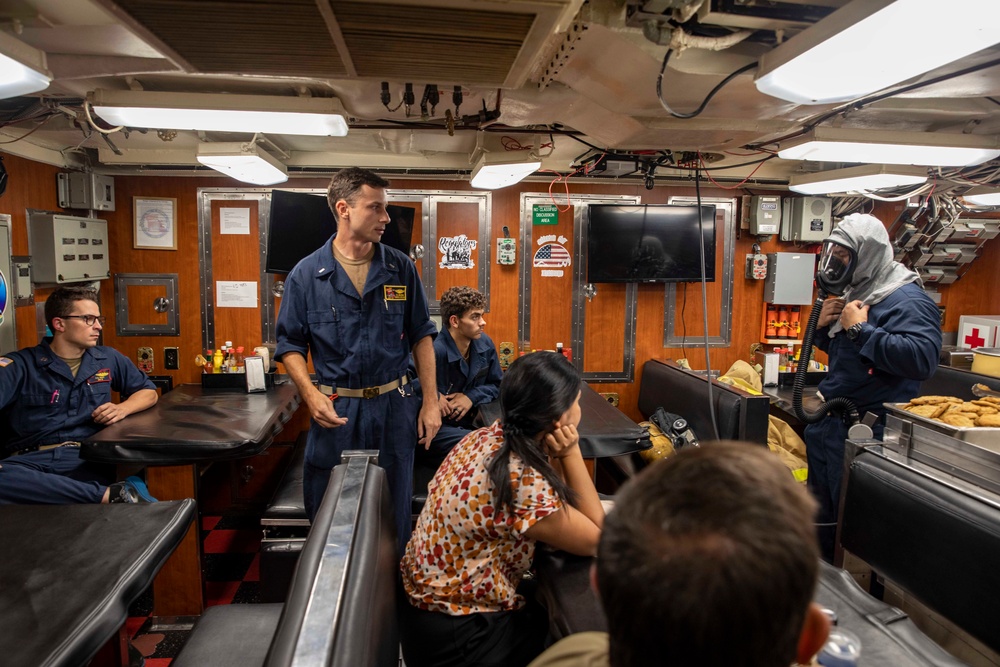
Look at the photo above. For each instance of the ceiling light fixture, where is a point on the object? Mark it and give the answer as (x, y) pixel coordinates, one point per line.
(983, 196)
(496, 170)
(313, 116)
(832, 144)
(244, 162)
(869, 45)
(22, 68)
(857, 179)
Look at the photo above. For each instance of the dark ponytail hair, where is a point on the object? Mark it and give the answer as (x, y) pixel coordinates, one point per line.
(535, 391)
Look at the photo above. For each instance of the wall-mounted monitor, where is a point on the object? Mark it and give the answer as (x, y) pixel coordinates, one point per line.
(300, 222)
(653, 243)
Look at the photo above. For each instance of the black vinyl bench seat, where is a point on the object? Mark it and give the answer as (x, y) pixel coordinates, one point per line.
(285, 526)
(327, 619)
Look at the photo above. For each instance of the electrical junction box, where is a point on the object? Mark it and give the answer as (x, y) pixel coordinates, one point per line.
(765, 215)
(86, 191)
(790, 278)
(608, 166)
(66, 249)
(806, 219)
(20, 272)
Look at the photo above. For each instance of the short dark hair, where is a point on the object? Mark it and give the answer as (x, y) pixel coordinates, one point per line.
(60, 302)
(535, 391)
(346, 184)
(708, 558)
(460, 300)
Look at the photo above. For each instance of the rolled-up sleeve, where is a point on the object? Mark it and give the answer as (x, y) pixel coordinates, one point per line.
(291, 330)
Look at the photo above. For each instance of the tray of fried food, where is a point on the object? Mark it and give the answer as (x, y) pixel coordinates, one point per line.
(972, 421)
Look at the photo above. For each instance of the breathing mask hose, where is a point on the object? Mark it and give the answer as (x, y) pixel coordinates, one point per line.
(844, 405)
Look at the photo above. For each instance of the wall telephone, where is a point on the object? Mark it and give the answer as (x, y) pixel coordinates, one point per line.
(506, 249)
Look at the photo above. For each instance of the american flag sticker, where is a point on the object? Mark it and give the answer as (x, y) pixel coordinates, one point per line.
(551, 255)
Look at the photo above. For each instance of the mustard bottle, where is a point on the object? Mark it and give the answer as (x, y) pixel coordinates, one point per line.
(217, 360)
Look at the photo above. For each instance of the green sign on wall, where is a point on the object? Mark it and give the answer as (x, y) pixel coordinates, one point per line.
(545, 214)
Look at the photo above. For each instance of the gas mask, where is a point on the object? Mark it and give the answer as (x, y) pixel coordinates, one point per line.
(836, 268)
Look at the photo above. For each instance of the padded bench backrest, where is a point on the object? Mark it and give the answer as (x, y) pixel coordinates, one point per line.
(949, 381)
(740, 415)
(939, 544)
(341, 609)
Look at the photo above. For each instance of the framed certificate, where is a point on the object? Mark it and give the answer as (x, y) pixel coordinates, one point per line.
(155, 223)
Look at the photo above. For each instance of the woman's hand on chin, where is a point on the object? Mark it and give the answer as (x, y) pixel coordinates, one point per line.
(562, 442)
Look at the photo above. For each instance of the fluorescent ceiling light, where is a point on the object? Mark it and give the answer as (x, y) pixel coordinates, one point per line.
(498, 171)
(984, 196)
(244, 162)
(22, 68)
(313, 116)
(869, 45)
(831, 144)
(856, 179)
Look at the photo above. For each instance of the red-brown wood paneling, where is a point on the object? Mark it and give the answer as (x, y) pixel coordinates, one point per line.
(32, 185)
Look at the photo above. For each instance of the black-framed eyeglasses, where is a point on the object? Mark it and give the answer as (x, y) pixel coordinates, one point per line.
(87, 319)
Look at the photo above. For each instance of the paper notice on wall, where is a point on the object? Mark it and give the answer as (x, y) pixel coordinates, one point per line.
(234, 220)
(236, 294)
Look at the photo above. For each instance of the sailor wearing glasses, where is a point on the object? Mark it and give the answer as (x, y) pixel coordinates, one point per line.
(58, 393)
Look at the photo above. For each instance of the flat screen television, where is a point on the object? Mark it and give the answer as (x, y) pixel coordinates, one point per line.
(301, 222)
(653, 243)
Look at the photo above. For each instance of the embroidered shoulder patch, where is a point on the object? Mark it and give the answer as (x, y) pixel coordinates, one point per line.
(5, 361)
(394, 292)
(103, 375)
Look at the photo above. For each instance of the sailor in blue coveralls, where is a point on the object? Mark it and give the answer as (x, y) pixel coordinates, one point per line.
(359, 308)
(468, 369)
(883, 338)
(58, 393)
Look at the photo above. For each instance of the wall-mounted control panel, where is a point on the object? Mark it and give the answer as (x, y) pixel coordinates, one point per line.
(86, 191)
(806, 219)
(765, 215)
(66, 249)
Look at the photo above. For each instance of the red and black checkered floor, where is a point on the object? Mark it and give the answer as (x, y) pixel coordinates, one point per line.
(231, 571)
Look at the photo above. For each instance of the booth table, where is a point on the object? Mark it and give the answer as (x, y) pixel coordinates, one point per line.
(187, 426)
(70, 573)
(604, 429)
(781, 403)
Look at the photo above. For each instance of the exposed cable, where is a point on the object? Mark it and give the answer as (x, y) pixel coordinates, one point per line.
(564, 178)
(28, 134)
(86, 111)
(701, 160)
(704, 300)
(708, 98)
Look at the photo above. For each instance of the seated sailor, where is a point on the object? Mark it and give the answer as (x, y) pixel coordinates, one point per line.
(59, 392)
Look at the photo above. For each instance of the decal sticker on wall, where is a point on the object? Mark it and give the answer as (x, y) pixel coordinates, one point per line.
(456, 252)
(552, 254)
(3, 296)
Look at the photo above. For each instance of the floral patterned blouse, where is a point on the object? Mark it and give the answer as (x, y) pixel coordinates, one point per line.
(466, 555)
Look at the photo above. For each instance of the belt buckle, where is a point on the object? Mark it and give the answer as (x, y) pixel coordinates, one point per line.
(370, 392)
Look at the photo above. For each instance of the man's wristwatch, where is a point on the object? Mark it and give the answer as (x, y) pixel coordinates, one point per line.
(855, 330)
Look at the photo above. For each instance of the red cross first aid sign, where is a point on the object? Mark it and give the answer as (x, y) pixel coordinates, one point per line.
(976, 332)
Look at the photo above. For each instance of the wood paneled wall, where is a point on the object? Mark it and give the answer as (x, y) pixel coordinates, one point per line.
(32, 185)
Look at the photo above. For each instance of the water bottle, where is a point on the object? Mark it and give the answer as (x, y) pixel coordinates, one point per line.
(842, 649)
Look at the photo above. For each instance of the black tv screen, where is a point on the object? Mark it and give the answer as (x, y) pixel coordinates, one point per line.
(301, 222)
(655, 243)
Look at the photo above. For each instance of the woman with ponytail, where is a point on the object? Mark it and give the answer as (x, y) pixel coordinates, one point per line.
(503, 488)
